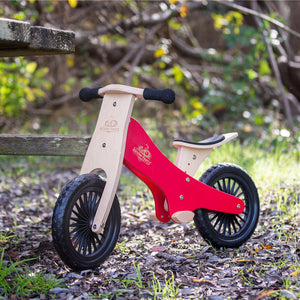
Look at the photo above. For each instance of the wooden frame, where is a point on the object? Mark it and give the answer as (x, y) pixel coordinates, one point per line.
(107, 146)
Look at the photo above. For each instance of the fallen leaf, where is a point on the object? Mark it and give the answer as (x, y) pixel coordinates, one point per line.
(201, 280)
(160, 271)
(266, 293)
(266, 246)
(159, 249)
(295, 273)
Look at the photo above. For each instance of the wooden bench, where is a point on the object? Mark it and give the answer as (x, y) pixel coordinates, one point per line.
(18, 38)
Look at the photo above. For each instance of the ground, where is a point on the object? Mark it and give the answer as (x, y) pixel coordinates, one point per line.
(151, 260)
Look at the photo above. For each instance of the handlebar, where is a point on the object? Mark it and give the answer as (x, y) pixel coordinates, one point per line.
(88, 94)
(166, 95)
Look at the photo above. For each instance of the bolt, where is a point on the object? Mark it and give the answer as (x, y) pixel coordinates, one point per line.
(104, 145)
(94, 226)
(162, 216)
(188, 179)
(194, 156)
(115, 103)
(181, 197)
(238, 206)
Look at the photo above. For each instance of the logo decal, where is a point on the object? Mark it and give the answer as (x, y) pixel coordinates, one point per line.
(143, 154)
(110, 126)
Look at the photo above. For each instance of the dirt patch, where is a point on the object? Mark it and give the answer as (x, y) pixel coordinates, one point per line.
(151, 260)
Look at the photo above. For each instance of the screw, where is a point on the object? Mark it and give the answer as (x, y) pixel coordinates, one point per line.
(94, 226)
(188, 179)
(162, 216)
(181, 197)
(194, 156)
(104, 145)
(238, 206)
(115, 103)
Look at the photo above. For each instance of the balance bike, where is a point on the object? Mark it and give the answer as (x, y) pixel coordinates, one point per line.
(224, 203)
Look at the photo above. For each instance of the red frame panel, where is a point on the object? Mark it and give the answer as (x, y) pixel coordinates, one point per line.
(168, 182)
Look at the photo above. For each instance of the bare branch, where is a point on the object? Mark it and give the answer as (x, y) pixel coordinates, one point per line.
(139, 56)
(198, 53)
(276, 71)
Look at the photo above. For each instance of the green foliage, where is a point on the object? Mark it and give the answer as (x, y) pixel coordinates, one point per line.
(240, 88)
(21, 83)
(19, 280)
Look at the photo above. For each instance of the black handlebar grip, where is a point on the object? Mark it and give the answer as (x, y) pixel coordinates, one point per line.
(167, 95)
(88, 94)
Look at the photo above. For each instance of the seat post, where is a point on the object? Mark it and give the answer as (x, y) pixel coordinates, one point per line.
(189, 159)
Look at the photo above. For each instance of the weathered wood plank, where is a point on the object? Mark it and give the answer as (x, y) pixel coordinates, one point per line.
(47, 145)
(18, 38)
(14, 33)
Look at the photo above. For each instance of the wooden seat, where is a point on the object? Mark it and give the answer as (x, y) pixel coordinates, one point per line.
(211, 142)
(190, 154)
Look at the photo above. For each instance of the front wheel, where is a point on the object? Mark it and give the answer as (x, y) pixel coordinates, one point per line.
(77, 245)
(222, 229)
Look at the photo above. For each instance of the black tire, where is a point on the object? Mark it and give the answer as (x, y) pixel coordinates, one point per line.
(228, 230)
(77, 245)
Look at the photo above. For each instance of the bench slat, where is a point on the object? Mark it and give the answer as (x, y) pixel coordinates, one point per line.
(47, 145)
(19, 38)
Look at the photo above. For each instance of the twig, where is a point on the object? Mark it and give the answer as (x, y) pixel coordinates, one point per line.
(197, 52)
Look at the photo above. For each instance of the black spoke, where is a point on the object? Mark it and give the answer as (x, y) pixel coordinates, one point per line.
(232, 192)
(236, 190)
(226, 224)
(219, 217)
(225, 229)
(82, 207)
(220, 223)
(227, 189)
(83, 239)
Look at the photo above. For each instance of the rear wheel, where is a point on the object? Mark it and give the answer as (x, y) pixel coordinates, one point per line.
(222, 229)
(77, 245)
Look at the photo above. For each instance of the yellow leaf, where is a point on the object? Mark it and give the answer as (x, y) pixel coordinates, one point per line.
(29, 94)
(266, 293)
(159, 52)
(247, 128)
(72, 3)
(295, 273)
(183, 11)
(219, 21)
(173, 1)
(201, 280)
(236, 30)
(70, 61)
(31, 67)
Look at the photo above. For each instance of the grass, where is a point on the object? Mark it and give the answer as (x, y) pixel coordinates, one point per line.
(16, 278)
(156, 289)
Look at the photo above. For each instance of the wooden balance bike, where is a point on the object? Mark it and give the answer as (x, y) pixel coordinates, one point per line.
(224, 203)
